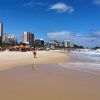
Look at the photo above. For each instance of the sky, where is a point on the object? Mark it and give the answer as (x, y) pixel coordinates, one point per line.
(75, 20)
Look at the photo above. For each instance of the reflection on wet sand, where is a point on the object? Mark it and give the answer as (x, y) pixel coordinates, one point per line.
(49, 82)
(34, 67)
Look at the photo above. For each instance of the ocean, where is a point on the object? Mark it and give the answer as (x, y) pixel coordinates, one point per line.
(83, 61)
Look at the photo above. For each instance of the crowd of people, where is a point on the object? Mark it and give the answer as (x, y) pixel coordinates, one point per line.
(17, 48)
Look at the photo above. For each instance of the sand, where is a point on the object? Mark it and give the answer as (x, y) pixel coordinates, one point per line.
(15, 59)
(48, 82)
(24, 78)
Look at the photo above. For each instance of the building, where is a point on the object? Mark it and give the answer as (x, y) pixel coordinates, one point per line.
(39, 43)
(1, 32)
(28, 38)
(4, 38)
(54, 44)
(66, 43)
(9, 39)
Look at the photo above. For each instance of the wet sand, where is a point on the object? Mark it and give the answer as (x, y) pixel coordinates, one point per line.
(48, 82)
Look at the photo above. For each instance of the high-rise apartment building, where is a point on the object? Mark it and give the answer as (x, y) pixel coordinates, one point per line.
(28, 38)
(9, 39)
(39, 43)
(1, 32)
(66, 43)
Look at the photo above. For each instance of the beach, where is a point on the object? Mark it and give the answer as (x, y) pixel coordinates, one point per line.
(69, 79)
(15, 59)
(48, 82)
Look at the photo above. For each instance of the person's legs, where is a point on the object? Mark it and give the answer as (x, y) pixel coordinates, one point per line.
(34, 54)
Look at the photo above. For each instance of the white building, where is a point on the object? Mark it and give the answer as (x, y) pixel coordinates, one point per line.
(9, 39)
(4, 38)
(1, 29)
(66, 43)
(1, 32)
(54, 44)
(28, 38)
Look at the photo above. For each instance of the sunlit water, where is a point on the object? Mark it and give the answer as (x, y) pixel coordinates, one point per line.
(83, 61)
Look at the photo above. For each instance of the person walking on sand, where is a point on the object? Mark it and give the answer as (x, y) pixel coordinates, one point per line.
(34, 52)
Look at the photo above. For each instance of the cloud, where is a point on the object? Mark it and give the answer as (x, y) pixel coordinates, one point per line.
(41, 4)
(58, 7)
(32, 3)
(87, 41)
(62, 34)
(28, 4)
(97, 2)
(96, 33)
(61, 8)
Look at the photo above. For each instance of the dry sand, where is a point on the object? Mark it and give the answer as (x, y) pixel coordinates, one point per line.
(15, 59)
(48, 82)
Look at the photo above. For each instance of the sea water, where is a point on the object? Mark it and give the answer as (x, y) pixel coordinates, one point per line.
(83, 61)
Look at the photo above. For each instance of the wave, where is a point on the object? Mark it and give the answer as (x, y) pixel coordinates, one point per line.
(83, 61)
(91, 68)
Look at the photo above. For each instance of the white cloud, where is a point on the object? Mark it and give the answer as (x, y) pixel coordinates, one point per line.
(87, 41)
(58, 7)
(96, 33)
(41, 4)
(62, 34)
(32, 3)
(28, 4)
(66, 35)
(97, 2)
(61, 8)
